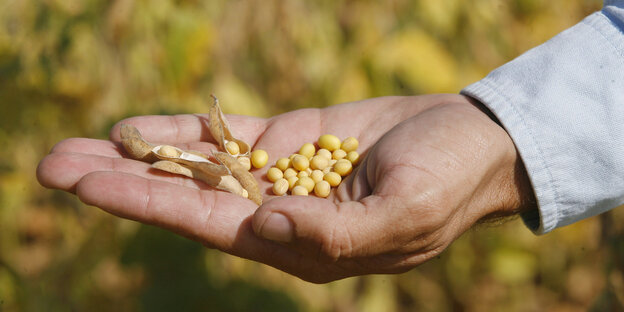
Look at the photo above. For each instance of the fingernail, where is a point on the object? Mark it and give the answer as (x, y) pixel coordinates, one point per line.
(277, 228)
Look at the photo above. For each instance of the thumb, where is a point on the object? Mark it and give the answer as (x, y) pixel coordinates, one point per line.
(322, 228)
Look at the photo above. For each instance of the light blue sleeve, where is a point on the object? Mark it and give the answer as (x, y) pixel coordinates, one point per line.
(562, 103)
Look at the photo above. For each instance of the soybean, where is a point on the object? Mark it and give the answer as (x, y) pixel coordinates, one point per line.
(232, 148)
(349, 144)
(300, 162)
(343, 167)
(274, 174)
(339, 154)
(307, 150)
(283, 164)
(317, 175)
(168, 151)
(306, 182)
(290, 172)
(280, 187)
(300, 190)
(322, 189)
(353, 157)
(329, 142)
(332, 178)
(259, 158)
(323, 152)
(319, 162)
(291, 182)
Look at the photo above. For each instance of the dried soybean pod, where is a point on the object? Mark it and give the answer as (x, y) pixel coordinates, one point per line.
(220, 129)
(135, 145)
(243, 176)
(245, 161)
(171, 167)
(225, 182)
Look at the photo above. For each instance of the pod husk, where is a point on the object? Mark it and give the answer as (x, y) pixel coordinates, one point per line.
(243, 176)
(229, 175)
(220, 129)
(135, 145)
(223, 182)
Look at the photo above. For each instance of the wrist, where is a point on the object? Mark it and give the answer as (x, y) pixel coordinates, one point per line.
(511, 182)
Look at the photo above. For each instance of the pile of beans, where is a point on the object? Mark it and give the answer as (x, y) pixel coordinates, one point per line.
(313, 170)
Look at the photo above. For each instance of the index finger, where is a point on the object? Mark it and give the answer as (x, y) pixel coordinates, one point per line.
(189, 128)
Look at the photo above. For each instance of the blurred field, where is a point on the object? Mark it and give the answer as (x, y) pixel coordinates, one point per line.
(73, 68)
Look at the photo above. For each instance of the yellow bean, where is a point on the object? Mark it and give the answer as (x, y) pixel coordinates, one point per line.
(291, 182)
(353, 157)
(290, 172)
(317, 175)
(319, 162)
(283, 164)
(302, 174)
(327, 170)
(333, 178)
(322, 189)
(232, 148)
(306, 182)
(274, 174)
(168, 151)
(339, 154)
(280, 187)
(259, 158)
(325, 153)
(343, 167)
(329, 142)
(350, 144)
(300, 162)
(307, 150)
(300, 190)
(332, 162)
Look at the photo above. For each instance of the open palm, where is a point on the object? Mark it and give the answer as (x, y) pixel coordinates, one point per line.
(431, 167)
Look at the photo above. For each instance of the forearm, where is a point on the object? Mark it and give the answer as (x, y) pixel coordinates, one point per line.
(561, 103)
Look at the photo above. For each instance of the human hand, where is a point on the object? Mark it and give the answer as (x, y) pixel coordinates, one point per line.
(431, 167)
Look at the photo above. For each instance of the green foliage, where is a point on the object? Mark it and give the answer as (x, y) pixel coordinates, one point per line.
(73, 68)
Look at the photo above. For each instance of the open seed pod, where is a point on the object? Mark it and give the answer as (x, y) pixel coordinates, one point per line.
(135, 145)
(241, 174)
(220, 130)
(174, 160)
(222, 182)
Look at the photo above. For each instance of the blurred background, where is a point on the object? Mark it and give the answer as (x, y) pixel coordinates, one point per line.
(73, 68)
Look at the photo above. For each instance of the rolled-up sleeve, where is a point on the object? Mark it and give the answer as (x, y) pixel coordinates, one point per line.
(562, 103)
